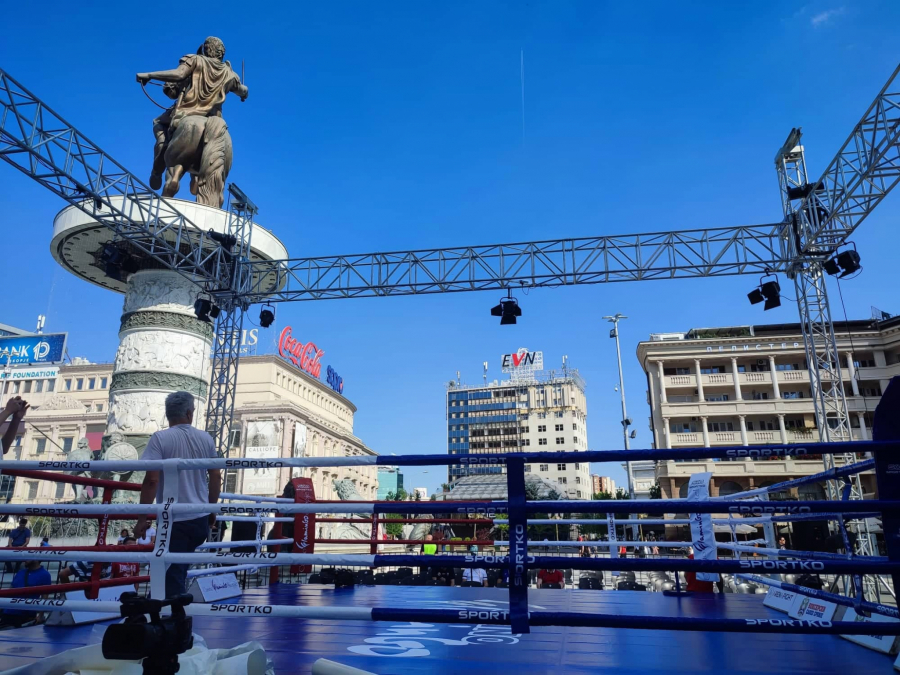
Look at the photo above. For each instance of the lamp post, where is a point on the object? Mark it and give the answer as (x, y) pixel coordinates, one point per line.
(626, 422)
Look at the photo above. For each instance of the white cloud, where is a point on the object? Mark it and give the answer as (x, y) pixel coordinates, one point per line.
(825, 17)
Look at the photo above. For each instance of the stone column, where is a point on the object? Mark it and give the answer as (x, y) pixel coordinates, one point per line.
(700, 396)
(743, 419)
(863, 432)
(781, 428)
(705, 431)
(662, 382)
(737, 380)
(163, 348)
(774, 377)
(851, 368)
(667, 438)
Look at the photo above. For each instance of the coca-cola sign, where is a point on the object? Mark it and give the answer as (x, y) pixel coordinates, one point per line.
(306, 356)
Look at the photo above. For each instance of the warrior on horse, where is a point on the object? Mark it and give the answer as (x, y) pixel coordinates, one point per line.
(191, 136)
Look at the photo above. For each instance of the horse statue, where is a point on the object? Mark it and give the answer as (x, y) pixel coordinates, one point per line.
(191, 135)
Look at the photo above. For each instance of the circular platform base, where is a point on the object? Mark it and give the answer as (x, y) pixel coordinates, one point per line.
(78, 241)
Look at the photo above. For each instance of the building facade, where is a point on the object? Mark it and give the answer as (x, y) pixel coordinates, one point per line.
(390, 480)
(603, 484)
(749, 385)
(279, 411)
(547, 411)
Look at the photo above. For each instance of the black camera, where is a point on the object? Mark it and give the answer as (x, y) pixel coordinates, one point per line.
(158, 642)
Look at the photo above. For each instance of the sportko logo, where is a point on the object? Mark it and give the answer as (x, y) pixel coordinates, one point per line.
(767, 452)
(787, 622)
(242, 609)
(253, 464)
(812, 566)
(64, 465)
(51, 512)
(759, 510)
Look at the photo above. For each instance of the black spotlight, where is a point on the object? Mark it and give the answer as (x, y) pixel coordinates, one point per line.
(831, 266)
(771, 291)
(507, 310)
(205, 310)
(849, 262)
(118, 263)
(755, 296)
(267, 316)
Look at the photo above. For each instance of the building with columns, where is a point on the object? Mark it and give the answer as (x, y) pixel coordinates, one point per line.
(300, 414)
(749, 385)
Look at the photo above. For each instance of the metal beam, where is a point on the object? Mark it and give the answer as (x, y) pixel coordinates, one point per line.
(559, 262)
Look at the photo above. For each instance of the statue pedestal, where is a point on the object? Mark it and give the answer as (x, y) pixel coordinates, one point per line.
(163, 347)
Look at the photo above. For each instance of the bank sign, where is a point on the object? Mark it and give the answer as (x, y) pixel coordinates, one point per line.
(32, 349)
(307, 357)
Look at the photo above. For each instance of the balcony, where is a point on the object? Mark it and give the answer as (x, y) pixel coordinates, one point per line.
(772, 406)
(680, 381)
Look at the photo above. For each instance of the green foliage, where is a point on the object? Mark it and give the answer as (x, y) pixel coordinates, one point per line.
(656, 491)
(418, 496)
(393, 529)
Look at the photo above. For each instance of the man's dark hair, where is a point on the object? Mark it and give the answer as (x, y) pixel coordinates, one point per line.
(23, 521)
(129, 539)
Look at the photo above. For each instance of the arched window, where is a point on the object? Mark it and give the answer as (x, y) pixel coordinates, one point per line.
(778, 495)
(729, 487)
(683, 490)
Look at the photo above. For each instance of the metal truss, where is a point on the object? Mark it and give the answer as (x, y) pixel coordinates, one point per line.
(560, 262)
(42, 145)
(228, 294)
(822, 358)
(862, 173)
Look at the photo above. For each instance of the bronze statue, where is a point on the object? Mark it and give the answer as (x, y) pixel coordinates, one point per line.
(191, 136)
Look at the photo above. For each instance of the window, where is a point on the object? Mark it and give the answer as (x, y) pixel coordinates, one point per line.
(560, 467)
(67, 444)
(40, 446)
(721, 426)
(542, 416)
(873, 390)
(32, 489)
(761, 366)
(579, 494)
(560, 440)
(561, 480)
(51, 385)
(864, 363)
(575, 439)
(577, 466)
(677, 371)
(16, 387)
(527, 441)
(28, 385)
(542, 428)
(103, 381)
(559, 415)
(792, 394)
(787, 366)
(574, 427)
(92, 382)
(79, 383)
(38, 386)
(60, 490)
(760, 395)
(712, 370)
(523, 430)
(69, 384)
(559, 427)
(544, 467)
(98, 407)
(578, 480)
(542, 441)
(716, 397)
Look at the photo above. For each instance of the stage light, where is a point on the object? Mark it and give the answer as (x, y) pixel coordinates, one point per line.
(771, 291)
(227, 241)
(755, 296)
(118, 263)
(205, 310)
(849, 262)
(267, 316)
(507, 310)
(831, 266)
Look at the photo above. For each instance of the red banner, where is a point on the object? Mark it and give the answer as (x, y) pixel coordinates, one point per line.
(304, 523)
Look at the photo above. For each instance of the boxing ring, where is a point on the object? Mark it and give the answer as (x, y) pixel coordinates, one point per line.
(386, 629)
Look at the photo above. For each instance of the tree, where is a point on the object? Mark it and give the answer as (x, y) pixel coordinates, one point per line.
(401, 495)
(655, 491)
(433, 498)
(418, 496)
(393, 529)
(390, 497)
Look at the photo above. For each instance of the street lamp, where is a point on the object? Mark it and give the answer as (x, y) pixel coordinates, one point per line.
(626, 420)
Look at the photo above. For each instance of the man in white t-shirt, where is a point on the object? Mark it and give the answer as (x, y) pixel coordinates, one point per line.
(476, 574)
(184, 441)
(149, 537)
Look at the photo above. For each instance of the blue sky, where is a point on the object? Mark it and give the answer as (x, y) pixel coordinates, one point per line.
(391, 126)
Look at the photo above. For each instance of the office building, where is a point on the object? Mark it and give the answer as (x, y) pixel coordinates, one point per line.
(603, 484)
(533, 410)
(390, 481)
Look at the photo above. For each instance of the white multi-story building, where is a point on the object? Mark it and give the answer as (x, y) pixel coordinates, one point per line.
(547, 411)
(749, 385)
